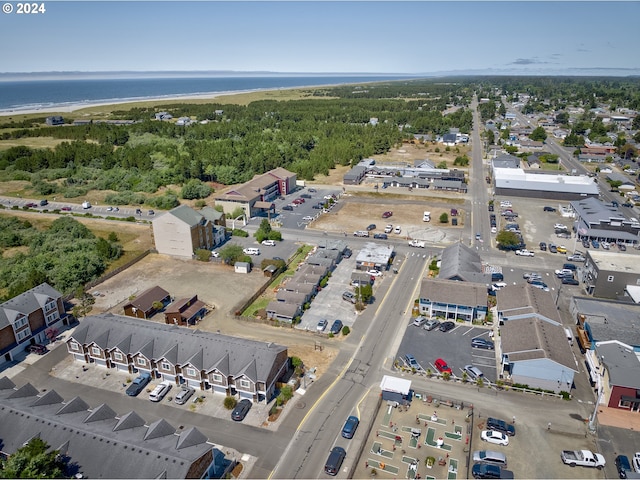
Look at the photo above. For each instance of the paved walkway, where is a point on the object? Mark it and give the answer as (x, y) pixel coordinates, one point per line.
(614, 417)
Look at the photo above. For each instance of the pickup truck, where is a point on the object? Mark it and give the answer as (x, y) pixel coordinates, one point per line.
(525, 253)
(416, 243)
(583, 458)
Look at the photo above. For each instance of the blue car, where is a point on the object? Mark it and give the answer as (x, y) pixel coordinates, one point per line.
(350, 427)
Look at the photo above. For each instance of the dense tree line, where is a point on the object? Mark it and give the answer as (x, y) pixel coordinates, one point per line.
(66, 255)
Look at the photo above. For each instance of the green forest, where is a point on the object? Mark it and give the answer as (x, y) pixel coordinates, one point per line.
(65, 255)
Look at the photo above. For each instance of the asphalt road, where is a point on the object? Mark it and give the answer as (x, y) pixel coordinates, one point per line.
(358, 368)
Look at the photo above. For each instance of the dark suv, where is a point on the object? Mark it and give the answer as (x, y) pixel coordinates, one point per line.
(336, 327)
(623, 465)
(334, 461)
(500, 426)
(37, 348)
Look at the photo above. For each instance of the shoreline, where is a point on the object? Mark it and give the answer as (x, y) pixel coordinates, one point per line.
(73, 107)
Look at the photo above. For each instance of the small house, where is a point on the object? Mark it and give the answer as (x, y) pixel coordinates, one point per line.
(242, 267)
(147, 303)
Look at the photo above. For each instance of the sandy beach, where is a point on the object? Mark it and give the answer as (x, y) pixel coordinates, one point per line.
(72, 107)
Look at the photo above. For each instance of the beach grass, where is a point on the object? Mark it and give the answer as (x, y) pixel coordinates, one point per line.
(31, 142)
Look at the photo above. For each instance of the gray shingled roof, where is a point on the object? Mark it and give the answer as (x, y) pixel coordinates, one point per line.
(610, 320)
(101, 449)
(155, 340)
(531, 337)
(145, 300)
(523, 299)
(187, 215)
(459, 262)
(621, 363)
(26, 303)
(451, 291)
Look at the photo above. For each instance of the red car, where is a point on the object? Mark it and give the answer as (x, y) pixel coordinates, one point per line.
(66, 209)
(387, 214)
(442, 366)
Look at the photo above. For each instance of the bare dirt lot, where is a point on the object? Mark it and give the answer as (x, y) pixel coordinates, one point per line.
(221, 289)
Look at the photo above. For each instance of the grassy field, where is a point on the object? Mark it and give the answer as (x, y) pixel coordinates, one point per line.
(31, 142)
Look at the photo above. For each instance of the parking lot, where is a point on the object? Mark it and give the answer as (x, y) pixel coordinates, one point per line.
(453, 346)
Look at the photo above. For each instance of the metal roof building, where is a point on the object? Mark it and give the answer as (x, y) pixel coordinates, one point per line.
(518, 183)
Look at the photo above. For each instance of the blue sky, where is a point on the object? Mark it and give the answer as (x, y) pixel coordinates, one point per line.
(332, 36)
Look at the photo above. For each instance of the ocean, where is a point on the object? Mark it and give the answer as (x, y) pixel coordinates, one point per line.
(47, 94)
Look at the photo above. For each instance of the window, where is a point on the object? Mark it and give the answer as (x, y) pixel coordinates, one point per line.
(624, 404)
(610, 278)
(23, 334)
(217, 378)
(166, 366)
(141, 361)
(74, 346)
(96, 351)
(117, 356)
(52, 317)
(245, 384)
(191, 372)
(50, 306)
(21, 322)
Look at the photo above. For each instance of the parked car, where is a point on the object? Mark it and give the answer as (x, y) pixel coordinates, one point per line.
(501, 426)
(576, 257)
(442, 366)
(553, 248)
(241, 410)
(543, 246)
(561, 249)
(36, 348)
(419, 321)
(151, 212)
(563, 272)
(397, 230)
(374, 273)
(184, 394)
(322, 324)
(138, 384)
(269, 243)
(287, 207)
(371, 226)
(525, 253)
(387, 214)
(482, 343)
(388, 228)
(336, 327)
(570, 281)
(334, 461)
(549, 209)
(251, 251)
(483, 470)
(636, 462)
(158, 393)
(492, 436)
(622, 247)
(44, 202)
(349, 297)
(454, 212)
(446, 326)
(350, 426)
(570, 266)
(595, 243)
(623, 465)
(66, 209)
(380, 236)
(31, 205)
(431, 324)
(412, 362)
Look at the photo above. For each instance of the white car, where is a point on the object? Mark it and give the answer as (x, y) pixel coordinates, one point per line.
(636, 462)
(493, 436)
(308, 218)
(215, 254)
(251, 251)
(269, 243)
(397, 230)
(388, 228)
(426, 217)
(374, 273)
(560, 226)
(160, 391)
(525, 253)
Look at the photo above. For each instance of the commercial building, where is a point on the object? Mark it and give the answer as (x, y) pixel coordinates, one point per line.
(459, 262)
(607, 274)
(256, 196)
(596, 220)
(373, 255)
(518, 183)
(453, 300)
